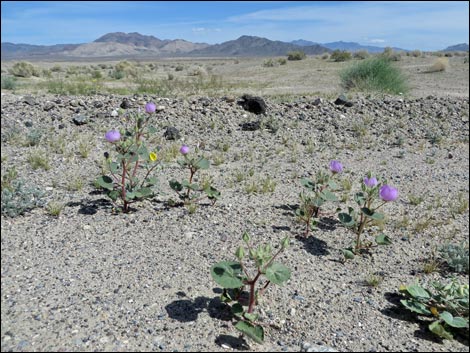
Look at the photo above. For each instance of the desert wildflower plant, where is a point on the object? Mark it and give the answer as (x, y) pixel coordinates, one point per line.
(447, 304)
(321, 190)
(359, 220)
(188, 190)
(233, 276)
(130, 176)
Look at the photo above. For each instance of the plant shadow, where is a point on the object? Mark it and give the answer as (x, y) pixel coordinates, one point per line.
(314, 245)
(237, 343)
(187, 310)
(90, 207)
(290, 209)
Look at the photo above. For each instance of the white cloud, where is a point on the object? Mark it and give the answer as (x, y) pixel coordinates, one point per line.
(376, 40)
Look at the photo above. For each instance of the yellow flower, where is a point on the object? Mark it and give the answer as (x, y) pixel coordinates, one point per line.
(434, 311)
(153, 156)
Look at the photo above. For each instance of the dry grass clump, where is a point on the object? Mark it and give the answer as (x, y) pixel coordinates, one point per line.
(441, 64)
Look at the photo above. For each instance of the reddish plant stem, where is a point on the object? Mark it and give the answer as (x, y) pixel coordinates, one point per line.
(123, 186)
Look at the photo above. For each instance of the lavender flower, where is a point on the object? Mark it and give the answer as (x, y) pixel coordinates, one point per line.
(388, 193)
(336, 167)
(112, 136)
(150, 108)
(184, 149)
(370, 182)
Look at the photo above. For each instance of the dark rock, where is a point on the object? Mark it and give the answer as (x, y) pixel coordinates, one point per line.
(172, 133)
(61, 126)
(125, 104)
(253, 104)
(98, 104)
(80, 120)
(342, 100)
(251, 126)
(28, 123)
(29, 100)
(48, 106)
(317, 101)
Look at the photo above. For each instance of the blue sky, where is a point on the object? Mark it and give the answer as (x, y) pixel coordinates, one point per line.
(431, 25)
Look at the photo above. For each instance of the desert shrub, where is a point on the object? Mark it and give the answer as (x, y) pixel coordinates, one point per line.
(199, 71)
(46, 73)
(361, 54)
(296, 55)
(67, 87)
(117, 75)
(282, 61)
(19, 198)
(179, 68)
(22, 69)
(465, 60)
(448, 54)
(456, 257)
(441, 64)
(390, 54)
(416, 53)
(374, 74)
(9, 82)
(325, 56)
(340, 55)
(269, 63)
(96, 74)
(56, 68)
(124, 69)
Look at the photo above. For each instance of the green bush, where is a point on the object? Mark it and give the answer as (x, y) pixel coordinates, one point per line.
(9, 82)
(19, 198)
(390, 55)
(23, 69)
(340, 55)
(296, 55)
(361, 54)
(374, 74)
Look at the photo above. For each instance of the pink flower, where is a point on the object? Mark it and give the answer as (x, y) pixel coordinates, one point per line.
(388, 193)
(112, 136)
(336, 167)
(150, 108)
(184, 149)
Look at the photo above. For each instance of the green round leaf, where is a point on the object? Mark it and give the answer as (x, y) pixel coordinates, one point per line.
(228, 274)
(328, 196)
(346, 219)
(418, 292)
(277, 273)
(382, 239)
(105, 182)
(202, 163)
(256, 333)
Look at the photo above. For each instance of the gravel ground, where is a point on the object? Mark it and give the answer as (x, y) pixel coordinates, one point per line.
(94, 280)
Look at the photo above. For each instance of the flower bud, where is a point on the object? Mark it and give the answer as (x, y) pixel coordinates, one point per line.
(285, 242)
(150, 108)
(240, 253)
(388, 193)
(336, 167)
(246, 237)
(112, 136)
(370, 182)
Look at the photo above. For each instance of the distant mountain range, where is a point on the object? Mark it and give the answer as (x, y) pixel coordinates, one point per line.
(457, 47)
(135, 45)
(349, 46)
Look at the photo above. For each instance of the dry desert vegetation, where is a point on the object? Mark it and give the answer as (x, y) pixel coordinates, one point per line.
(78, 274)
